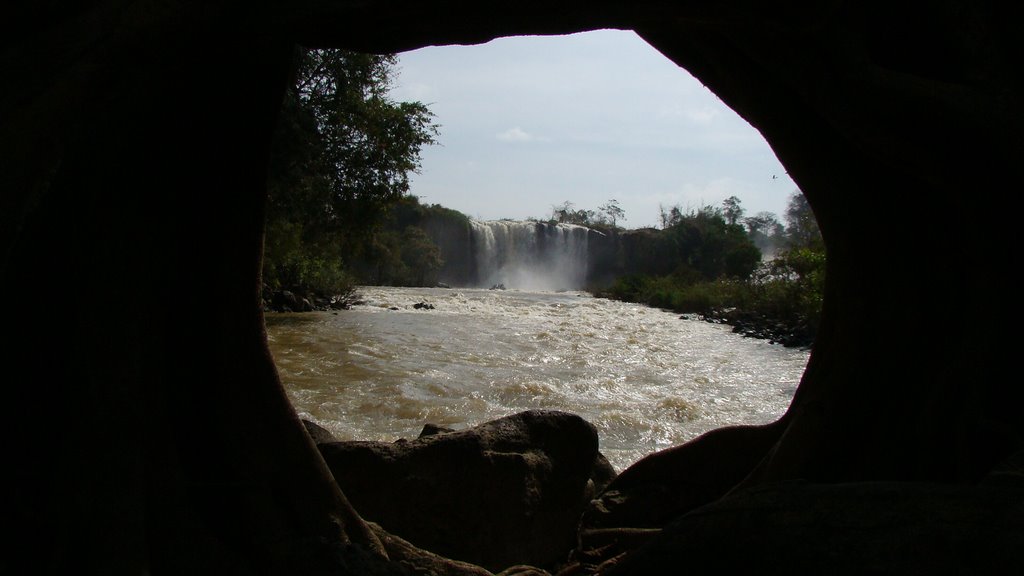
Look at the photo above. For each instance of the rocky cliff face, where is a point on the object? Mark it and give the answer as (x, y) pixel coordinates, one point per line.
(518, 254)
(134, 140)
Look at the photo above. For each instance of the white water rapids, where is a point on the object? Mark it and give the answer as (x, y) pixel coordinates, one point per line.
(646, 379)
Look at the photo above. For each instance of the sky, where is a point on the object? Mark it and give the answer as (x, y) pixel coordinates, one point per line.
(527, 123)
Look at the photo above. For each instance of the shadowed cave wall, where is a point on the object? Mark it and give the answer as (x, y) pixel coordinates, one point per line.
(146, 428)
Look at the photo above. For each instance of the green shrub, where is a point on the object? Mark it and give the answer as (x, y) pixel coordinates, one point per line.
(788, 289)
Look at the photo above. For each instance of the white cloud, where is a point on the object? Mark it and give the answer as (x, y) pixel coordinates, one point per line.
(414, 91)
(694, 114)
(516, 134)
(704, 115)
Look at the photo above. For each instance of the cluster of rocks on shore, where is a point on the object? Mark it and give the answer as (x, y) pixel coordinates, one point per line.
(288, 301)
(796, 333)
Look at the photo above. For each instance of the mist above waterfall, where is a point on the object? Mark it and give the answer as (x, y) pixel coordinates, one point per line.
(529, 255)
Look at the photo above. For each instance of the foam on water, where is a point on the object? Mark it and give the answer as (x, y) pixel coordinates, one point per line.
(646, 379)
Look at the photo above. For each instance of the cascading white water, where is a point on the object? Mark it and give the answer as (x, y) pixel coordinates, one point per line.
(530, 255)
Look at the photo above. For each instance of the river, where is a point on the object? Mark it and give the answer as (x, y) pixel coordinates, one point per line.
(645, 378)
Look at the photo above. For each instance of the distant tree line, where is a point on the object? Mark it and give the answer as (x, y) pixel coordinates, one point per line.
(607, 216)
(713, 258)
(404, 249)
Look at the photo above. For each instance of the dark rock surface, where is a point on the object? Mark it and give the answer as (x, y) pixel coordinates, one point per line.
(318, 433)
(663, 486)
(856, 528)
(797, 333)
(288, 301)
(503, 493)
(432, 429)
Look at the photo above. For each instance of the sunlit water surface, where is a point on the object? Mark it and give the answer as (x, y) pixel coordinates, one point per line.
(646, 379)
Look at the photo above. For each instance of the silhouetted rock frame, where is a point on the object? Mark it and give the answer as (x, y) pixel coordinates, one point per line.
(146, 427)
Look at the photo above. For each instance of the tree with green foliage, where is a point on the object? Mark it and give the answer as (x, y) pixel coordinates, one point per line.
(801, 225)
(612, 213)
(396, 257)
(422, 258)
(766, 232)
(669, 217)
(731, 210)
(712, 246)
(706, 262)
(566, 213)
(697, 245)
(416, 245)
(765, 223)
(343, 153)
(381, 260)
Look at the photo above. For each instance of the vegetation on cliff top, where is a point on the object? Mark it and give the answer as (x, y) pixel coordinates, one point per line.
(715, 274)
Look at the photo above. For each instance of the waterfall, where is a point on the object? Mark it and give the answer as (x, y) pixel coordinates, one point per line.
(529, 255)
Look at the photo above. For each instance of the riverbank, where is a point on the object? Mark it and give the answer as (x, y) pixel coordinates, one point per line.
(792, 333)
(779, 306)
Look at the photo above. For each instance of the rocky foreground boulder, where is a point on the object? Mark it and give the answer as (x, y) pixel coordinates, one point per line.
(504, 493)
